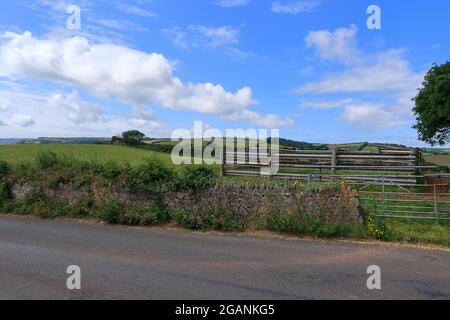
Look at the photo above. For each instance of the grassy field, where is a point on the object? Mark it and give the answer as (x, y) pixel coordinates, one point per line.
(442, 160)
(15, 154)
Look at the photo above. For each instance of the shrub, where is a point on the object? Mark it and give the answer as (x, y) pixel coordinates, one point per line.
(155, 214)
(158, 147)
(132, 216)
(5, 190)
(309, 224)
(210, 219)
(4, 168)
(194, 178)
(377, 227)
(152, 215)
(150, 178)
(110, 212)
(110, 170)
(81, 208)
(5, 193)
(36, 197)
(46, 159)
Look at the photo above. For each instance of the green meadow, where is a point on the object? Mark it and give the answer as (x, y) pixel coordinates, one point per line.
(15, 154)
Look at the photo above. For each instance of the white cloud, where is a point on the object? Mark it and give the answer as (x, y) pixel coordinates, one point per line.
(294, 7)
(337, 45)
(325, 104)
(127, 8)
(306, 71)
(58, 5)
(49, 120)
(178, 37)
(109, 70)
(8, 117)
(203, 36)
(134, 77)
(74, 109)
(269, 120)
(144, 118)
(388, 72)
(97, 27)
(4, 104)
(22, 120)
(232, 3)
(370, 117)
(120, 25)
(385, 76)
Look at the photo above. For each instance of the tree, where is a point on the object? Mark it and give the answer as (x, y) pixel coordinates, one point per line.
(132, 137)
(116, 139)
(433, 106)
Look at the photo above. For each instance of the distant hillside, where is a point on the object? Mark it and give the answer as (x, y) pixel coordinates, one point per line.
(166, 145)
(10, 141)
(300, 145)
(45, 140)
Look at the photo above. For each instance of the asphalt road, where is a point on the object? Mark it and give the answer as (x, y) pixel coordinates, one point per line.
(137, 263)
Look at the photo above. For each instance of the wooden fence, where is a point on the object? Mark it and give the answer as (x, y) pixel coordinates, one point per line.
(396, 166)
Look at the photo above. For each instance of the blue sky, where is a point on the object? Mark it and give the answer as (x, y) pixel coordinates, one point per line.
(313, 69)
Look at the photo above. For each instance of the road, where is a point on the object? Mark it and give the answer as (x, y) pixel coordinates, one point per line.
(119, 262)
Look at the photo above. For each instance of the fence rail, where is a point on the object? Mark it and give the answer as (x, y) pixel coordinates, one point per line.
(421, 201)
(391, 182)
(401, 166)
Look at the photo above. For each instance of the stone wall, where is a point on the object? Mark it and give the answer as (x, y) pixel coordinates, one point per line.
(245, 201)
(248, 202)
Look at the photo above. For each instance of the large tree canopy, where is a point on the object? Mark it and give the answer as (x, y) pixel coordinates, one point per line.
(132, 137)
(433, 106)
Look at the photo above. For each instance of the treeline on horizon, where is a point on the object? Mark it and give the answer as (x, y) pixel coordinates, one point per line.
(165, 145)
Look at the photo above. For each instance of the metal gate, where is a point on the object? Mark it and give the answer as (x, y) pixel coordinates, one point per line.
(405, 201)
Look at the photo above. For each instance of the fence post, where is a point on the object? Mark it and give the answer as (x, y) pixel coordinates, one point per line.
(384, 196)
(222, 163)
(334, 153)
(436, 210)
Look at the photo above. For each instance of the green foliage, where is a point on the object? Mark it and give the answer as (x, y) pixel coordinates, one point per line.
(132, 216)
(433, 106)
(429, 232)
(5, 191)
(195, 178)
(159, 147)
(299, 145)
(377, 227)
(363, 146)
(4, 168)
(314, 225)
(320, 187)
(150, 178)
(153, 215)
(46, 159)
(110, 212)
(116, 139)
(132, 137)
(211, 219)
(33, 201)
